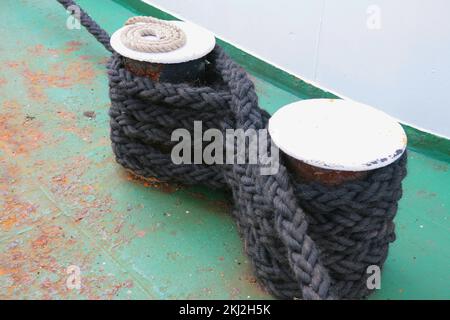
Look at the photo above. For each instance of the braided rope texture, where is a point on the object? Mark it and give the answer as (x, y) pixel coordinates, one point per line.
(305, 240)
(169, 37)
(86, 21)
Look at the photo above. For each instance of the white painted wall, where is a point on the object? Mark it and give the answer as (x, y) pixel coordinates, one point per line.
(391, 54)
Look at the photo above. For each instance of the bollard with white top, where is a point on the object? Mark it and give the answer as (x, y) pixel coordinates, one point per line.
(164, 51)
(332, 140)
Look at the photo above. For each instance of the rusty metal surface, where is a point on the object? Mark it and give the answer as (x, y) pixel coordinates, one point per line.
(65, 202)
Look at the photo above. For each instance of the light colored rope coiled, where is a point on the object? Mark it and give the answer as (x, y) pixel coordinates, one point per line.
(135, 35)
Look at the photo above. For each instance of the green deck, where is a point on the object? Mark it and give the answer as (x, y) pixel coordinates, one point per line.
(64, 201)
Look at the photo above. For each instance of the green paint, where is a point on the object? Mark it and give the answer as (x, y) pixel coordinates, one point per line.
(66, 202)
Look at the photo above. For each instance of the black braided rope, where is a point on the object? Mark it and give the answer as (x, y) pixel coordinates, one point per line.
(305, 240)
(101, 35)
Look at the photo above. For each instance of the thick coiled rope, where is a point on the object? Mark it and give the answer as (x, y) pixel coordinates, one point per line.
(138, 29)
(305, 240)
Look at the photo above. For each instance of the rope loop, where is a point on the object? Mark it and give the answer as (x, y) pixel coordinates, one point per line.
(151, 35)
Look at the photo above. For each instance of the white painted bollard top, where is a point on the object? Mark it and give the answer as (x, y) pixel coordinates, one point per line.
(337, 134)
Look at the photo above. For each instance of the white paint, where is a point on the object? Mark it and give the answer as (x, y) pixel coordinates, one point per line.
(199, 42)
(337, 134)
(390, 54)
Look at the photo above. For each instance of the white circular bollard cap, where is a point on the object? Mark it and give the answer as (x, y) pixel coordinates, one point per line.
(337, 134)
(199, 42)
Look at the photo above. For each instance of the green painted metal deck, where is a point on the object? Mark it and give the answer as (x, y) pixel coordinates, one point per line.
(64, 201)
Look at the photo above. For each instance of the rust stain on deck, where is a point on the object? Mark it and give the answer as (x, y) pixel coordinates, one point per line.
(56, 74)
(152, 182)
(40, 50)
(69, 123)
(18, 136)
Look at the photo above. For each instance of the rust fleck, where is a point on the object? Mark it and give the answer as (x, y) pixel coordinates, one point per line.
(115, 290)
(144, 69)
(306, 172)
(152, 182)
(69, 124)
(42, 241)
(118, 227)
(140, 233)
(8, 271)
(66, 115)
(8, 223)
(14, 211)
(12, 64)
(16, 136)
(72, 46)
(57, 75)
(40, 50)
(103, 61)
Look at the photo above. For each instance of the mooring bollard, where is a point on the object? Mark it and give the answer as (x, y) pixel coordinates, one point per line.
(164, 51)
(332, 141)
(170, 52)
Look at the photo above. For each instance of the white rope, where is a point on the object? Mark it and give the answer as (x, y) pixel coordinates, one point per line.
(138, 29)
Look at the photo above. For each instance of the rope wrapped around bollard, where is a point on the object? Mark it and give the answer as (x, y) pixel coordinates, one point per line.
(305, 240)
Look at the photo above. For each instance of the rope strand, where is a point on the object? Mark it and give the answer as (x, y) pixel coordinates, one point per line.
(100, 34)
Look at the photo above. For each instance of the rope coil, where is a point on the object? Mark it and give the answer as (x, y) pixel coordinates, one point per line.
(305, 240)
(136, 34)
